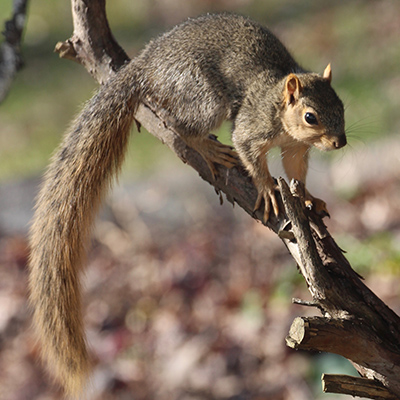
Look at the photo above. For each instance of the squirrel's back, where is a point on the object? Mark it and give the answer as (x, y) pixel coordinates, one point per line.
(205, 66)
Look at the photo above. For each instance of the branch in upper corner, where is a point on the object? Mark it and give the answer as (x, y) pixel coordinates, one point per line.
(91, 27)
(10, 50)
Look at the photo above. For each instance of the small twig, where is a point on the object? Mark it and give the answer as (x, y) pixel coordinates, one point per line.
(307, 303)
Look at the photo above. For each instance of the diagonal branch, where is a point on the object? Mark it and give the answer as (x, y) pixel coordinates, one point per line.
(350, 309)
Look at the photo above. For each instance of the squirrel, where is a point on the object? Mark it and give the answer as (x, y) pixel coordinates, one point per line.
(204, 71)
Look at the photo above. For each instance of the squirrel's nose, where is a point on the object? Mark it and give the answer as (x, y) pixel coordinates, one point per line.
(340, 141)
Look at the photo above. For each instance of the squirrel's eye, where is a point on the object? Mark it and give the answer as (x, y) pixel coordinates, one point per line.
(310, 118)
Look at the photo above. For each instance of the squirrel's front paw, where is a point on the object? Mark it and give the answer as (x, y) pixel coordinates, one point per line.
(317, 205)
(266, 192)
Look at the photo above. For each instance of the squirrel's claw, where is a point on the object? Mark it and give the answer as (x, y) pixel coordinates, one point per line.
(215, 152)
(318, 206)
(268, 195)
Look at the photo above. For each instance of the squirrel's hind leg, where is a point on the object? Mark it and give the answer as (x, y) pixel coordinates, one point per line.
(213, 152)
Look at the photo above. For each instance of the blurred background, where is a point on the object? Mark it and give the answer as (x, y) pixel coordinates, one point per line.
(185, 298)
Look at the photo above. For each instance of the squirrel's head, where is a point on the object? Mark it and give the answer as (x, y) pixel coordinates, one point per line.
(312, 111)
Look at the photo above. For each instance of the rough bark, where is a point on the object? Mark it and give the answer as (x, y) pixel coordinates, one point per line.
(92, 43)
(355, 322)
(353, 386)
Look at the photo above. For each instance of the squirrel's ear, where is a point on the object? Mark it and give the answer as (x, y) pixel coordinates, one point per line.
(292, 89)
(328, 73)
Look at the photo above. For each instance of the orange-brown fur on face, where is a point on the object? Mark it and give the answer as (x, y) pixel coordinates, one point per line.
(298, 103)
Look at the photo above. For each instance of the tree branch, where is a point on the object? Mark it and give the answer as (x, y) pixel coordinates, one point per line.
(356, 323)
(10, 50)
(353, 386)
(92, 43)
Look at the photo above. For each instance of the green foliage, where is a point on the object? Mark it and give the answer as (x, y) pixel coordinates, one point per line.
(378, 253)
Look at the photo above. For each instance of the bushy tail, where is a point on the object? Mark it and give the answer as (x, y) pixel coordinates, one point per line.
(75, 183)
